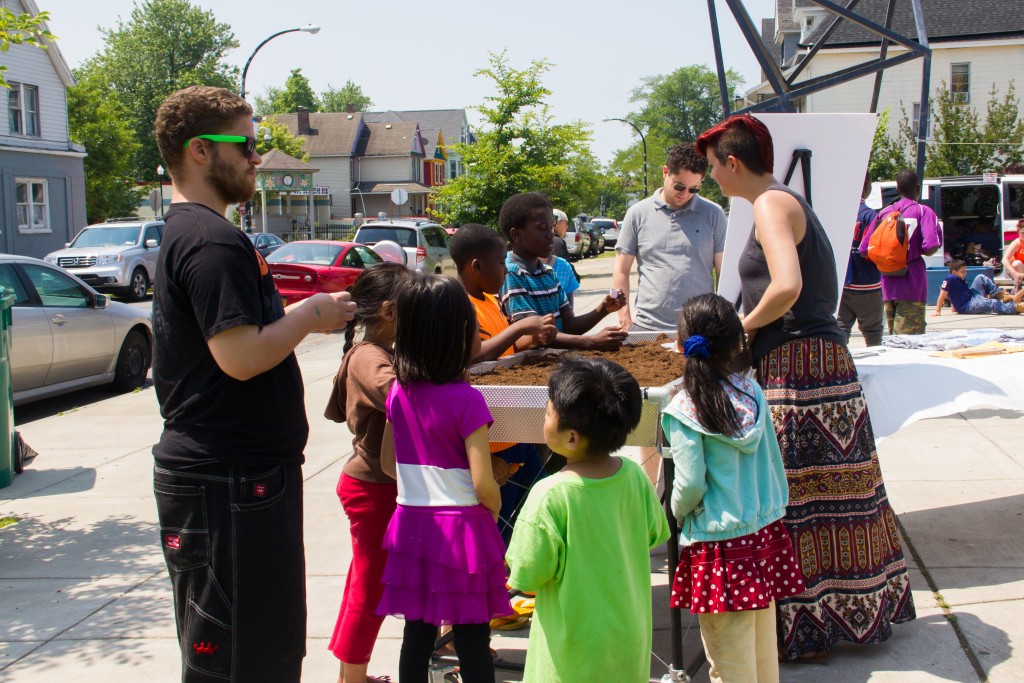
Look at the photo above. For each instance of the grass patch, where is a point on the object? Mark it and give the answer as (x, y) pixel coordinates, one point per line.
(7, 521)
(607, 254)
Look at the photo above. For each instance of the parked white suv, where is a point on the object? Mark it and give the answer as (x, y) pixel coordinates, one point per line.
(425, 243)
(119, 255)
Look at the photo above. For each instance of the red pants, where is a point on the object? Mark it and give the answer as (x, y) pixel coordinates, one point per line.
(369, 508)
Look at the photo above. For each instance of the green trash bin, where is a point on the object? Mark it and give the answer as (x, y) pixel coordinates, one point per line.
(6, 391)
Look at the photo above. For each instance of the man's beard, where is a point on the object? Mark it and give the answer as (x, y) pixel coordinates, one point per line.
(232, 186)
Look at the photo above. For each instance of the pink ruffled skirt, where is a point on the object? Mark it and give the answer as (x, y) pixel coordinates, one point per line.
(445, 566)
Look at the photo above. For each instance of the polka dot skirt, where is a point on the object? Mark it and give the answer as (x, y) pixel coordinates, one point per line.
(738, 574)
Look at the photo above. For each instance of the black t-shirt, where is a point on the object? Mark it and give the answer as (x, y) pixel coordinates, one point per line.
(813, 313)
(209, 279)
(560, 248)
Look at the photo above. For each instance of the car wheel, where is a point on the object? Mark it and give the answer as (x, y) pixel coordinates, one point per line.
(138, 286)
(132, 362)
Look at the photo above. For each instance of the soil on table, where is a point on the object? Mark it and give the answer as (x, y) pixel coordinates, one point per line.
(650, 363)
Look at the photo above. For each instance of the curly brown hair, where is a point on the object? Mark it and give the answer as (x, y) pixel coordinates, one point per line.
(683, 157)
(196, 110)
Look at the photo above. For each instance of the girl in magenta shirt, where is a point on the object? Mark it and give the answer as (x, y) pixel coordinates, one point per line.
(445, 556)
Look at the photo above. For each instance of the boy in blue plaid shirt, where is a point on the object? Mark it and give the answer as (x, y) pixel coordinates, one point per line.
(532, 287)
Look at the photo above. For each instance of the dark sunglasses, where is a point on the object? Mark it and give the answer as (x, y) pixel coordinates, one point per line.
(248, 143)
(679, 187)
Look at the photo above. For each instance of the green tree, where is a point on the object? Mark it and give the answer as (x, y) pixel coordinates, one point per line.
(888, 155)
(520, 149)
(956, 130)
(674, 108)
(338, 99)
(22, 29)
(1004, 130)
(296, 93)
(100, 124)
(164, 45)
(280, 138)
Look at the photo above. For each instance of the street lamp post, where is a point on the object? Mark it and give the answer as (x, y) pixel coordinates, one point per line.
(643, 140)
(160, 182)
(245, 70)
(311, 29)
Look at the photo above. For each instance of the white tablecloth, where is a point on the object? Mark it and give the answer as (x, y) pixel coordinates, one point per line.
(902, 385)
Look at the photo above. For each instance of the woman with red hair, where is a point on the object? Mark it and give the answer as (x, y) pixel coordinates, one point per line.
(839, 519)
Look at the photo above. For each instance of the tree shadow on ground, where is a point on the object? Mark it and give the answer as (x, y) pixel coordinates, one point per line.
(70, 581)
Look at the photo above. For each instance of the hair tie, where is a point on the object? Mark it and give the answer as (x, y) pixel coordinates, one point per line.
(696, 346)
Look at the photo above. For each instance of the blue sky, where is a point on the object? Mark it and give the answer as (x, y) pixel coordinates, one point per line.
(422, 55)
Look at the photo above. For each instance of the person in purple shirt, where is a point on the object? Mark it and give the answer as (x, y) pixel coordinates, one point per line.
(905, 295)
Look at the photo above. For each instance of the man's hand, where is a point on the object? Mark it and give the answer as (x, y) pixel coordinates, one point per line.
(608, 339)
(330, 311)
(625, 318)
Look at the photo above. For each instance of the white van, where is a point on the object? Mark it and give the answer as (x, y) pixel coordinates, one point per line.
(979, 214)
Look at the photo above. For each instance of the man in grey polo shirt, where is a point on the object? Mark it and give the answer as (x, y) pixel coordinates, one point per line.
(677, 239)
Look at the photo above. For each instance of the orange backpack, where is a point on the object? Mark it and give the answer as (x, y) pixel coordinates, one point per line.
(889, 245)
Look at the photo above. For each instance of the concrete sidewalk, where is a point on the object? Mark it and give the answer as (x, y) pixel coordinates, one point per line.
(84, 595)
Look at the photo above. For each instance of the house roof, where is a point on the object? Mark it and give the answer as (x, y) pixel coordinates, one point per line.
(450, 122)
(768, 36)
(334, 133)
(60, 64)
(784, 17)
(944, 20)
(390, 139)
(388, 188)
(276, 160)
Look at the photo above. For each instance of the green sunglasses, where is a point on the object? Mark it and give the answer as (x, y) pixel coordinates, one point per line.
(248, 143)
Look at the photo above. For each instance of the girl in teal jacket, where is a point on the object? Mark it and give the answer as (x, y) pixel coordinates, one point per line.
(729, 493)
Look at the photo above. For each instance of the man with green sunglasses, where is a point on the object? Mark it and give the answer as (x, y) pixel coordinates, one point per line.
(228, 481)
(247, 141)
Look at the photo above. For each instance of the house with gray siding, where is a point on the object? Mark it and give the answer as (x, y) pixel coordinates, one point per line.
(331, 141)
(42, 176)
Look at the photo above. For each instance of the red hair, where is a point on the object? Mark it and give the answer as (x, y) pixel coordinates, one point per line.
(742, 137)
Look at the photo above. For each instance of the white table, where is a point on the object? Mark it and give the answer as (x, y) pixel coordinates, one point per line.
(905, 385)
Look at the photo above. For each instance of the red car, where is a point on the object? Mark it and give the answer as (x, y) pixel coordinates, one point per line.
(302, 269)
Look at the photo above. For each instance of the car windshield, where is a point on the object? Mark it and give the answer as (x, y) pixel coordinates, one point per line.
(308, 253)
(405, 237)
(604, 225)
(106, 237)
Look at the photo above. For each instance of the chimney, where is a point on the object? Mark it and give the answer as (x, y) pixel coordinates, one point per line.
(350, 108)
(302, 124)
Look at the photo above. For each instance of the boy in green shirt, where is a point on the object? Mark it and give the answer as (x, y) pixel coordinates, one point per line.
(583, 538)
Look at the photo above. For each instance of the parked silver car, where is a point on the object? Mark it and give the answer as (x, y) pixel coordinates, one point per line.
(65, 336)
(577, 241)
(119, 255)
(425, 243)
(609, 227)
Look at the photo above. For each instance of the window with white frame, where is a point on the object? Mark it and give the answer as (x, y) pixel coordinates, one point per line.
(915, 123)
(23, 109)
(960, 82)
(33, 206)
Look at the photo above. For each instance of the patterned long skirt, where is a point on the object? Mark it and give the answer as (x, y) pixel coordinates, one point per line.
(839, 519)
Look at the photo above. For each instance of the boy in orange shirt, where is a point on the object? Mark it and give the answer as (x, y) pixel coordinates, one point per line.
(479, 255)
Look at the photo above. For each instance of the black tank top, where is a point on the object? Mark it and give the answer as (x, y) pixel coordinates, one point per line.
(813, 314)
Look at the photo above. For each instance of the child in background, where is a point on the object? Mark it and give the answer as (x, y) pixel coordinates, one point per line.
(983, 296)
(729, 494)
(479, 254)
(367, 494)
(583, 537)
(532, 288)
(445, 555)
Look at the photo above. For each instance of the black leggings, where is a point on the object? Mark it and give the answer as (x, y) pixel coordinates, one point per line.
(471, 645)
